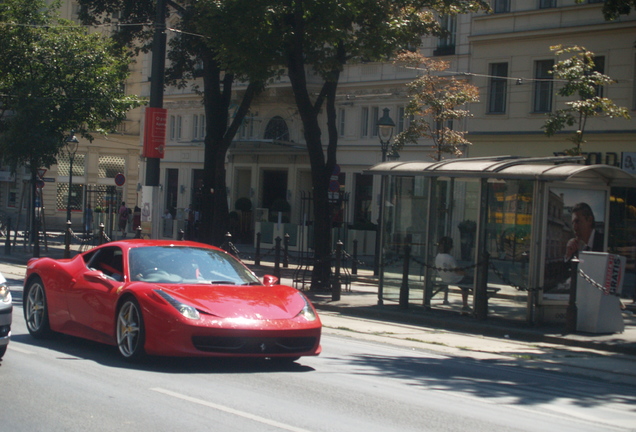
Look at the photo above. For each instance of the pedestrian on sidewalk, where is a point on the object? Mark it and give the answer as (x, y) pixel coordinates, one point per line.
(448, 270)
(123, 219)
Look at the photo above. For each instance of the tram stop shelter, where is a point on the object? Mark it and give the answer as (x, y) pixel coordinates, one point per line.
(510, 220)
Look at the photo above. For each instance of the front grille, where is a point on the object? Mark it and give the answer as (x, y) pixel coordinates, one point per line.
(240, 345)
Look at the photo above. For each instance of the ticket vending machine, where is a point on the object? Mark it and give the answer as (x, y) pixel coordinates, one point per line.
(597, 301)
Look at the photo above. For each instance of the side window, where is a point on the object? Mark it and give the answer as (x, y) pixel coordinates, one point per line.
(109, 260)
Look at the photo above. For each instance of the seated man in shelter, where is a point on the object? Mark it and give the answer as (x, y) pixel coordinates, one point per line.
(448, 270)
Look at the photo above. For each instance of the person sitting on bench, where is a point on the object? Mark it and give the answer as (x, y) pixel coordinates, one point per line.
(450, 274)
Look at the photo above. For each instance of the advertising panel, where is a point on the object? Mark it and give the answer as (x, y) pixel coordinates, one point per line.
(155, 132)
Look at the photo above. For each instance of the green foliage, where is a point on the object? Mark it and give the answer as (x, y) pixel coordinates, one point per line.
(582, 81)
(280, 205)
(435, 102)
(243, 204)
(54, 77)
(613, 9)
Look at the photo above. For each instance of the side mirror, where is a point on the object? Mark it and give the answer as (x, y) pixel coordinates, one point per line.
(269, 280)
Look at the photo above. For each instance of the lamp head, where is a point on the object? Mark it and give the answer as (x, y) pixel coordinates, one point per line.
(385, 126)
(72, 142)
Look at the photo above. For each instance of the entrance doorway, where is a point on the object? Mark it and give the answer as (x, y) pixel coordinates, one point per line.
(274, 187)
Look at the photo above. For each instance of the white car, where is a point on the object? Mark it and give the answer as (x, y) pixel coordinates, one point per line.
(6, 310)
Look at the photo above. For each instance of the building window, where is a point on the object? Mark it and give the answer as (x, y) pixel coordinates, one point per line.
(175, 127)
(400, 120)
(501, 6)
(374, 118)
(202, 126)
(77, 196)
(498, 88)
(198, 126)
(543, 86)
(634, 86)
(172, 189)
(547, 4)
(247, 126)
(109, 166)
(12, 197)
(277, 129)
(446, 43)
(363, 195)
(364, 122)
(599, 66)
(341, 122)
(64, 163)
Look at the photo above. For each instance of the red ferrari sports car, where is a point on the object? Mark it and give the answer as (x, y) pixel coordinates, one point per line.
(155, 297)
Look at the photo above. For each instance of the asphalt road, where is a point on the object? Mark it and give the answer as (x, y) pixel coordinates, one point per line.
(67, 384)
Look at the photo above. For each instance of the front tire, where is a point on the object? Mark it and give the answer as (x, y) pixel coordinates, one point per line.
(131, 335)
(36, 312)
(3, 349)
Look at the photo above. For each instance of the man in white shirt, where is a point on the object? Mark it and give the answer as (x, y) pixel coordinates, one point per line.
(448, 270)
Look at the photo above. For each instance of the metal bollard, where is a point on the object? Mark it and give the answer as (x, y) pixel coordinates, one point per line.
(257, 256)
(7, 242)
(354, 262)
(277, 258)
(404, 288)
(572, 312)
(180, 235)
(480, 296)
(286, 251)
(336, 288)
(67, 240)
(101, 233)
(138, 232)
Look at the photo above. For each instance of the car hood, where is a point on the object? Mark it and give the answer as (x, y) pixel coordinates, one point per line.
(247, 302)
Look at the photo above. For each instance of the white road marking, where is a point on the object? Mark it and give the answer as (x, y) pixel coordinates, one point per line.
(229, 410)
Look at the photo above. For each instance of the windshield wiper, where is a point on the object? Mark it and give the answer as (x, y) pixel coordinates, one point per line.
(222, 282)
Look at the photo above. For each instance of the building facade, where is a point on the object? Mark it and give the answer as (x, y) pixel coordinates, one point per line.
(506, 54)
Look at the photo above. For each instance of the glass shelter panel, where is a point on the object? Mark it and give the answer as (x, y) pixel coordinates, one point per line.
(405, 215)
(508, 233)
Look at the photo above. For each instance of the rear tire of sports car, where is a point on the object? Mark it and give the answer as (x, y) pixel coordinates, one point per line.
(131, 335)
(36, 312)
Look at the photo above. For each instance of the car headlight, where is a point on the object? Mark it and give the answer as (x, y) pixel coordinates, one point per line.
(184, 309)
(5, 294)
(307, 312)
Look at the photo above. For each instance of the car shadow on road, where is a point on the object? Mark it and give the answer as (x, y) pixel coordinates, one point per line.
(495, 379)
(71, 348)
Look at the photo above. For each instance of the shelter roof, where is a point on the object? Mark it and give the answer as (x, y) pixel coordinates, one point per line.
(557, 168)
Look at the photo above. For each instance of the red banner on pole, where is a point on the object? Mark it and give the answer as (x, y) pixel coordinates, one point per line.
(155, 132)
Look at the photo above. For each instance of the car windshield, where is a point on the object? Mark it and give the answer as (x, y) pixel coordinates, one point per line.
(175, 264)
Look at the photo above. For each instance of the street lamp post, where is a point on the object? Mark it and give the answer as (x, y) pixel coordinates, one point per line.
(385, 132)
(71, 148)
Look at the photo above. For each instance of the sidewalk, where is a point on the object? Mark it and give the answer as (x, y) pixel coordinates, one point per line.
(506, 310)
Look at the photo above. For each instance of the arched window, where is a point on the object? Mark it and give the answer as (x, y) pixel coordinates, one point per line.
(277, 129)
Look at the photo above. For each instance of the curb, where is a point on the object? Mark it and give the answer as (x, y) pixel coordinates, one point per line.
(452, 321)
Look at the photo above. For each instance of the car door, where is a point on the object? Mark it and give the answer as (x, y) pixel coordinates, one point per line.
(91, 301)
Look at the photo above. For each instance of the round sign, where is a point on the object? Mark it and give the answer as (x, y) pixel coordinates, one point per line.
(120, 179)
(39, 184)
